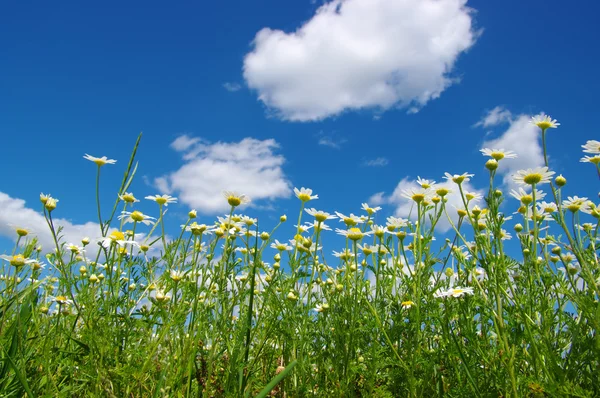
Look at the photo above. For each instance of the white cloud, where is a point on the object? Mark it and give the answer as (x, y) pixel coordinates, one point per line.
(495, 117)
(377, 162)
(14, 212)
(232, 87)
(331, 140)
(250, 166)
(405, 207)
(523, 138)
(357, 54)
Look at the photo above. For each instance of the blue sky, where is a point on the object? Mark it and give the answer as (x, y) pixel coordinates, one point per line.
(324, 99)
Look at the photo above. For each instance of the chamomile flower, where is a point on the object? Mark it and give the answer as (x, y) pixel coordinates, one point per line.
(527, 197)
(544, 122)
(344, 255)
(454, 292)
(353, 233)
(305, 194)
(318, 226)
(128, 197)
(319, 215)
(547, 207)
(136, 216)
(417, 195)
(281, 246)
(17, 260)
(498, 154)
(591, 159)
(177, 276)
(21, 231)
(592, 146)
(394, 223)
(574, 203)
(458, 178)
(534, 176)
(370, 210)
(61, 300)
(99, 161)
(407, 304)
(350, 220)
(322, 307)
(235, 199)
(162, 199)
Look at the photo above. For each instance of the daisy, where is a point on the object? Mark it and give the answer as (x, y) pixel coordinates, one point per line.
(574, 203)
(318, 226)
(322, 307)
(281, 246)
(136, 216)
(350, 220)
(394, 223)
(176, 276)
(344, 255)
(526, 197)
(591, 146)
(416, 194)
(407, 304)
(162, 199)
(498, 154)
(235, 199)
(305, 194)
(535, 176)
(61, 300)
(128, 198)
(248, 221)
(197, 229)
(370, 210)
(21, 231)
(458, 178)
(353, 233)
(319, 215)
(426, 184)
(547, 207)
(591, 159)
(544, 121)
(17, 261)
(100, 161)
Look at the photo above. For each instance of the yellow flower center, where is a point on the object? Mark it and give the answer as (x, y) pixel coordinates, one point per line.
(22, 232)
(407, 304)
(137, 216)
(355, 234)
(129, 198)
(532, 178)
(497, 155)
(60, 299)
(320, 217)
(304, 197)
(160, 200)
(349, 221)
(574, 207)
(544, 125)
(418, 197)
(117, 235)
(442, 192)
(234, 201)
(526, 199)
(99, 161)
(17, 261)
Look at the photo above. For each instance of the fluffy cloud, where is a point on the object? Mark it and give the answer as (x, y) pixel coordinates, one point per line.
(523, 138)
(250, 166)
(495, 117)
(14, 212)
(405, 207)
(356, 54)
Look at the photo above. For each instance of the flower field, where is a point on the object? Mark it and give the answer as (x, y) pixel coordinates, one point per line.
(505, 304)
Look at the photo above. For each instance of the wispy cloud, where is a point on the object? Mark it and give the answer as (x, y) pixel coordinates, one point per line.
(331, 140)
(232, 87)
(377, 162)
(495, 117)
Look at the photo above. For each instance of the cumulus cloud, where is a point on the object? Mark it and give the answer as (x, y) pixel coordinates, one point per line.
(360, 54)
(377, 162)
(404, 207)
(495, 117)
(14, 212)
(250, 166)
(523, 138)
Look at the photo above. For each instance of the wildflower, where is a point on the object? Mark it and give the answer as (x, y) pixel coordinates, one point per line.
(350, 220)
(454, 292)
(17, 260)
(291, 296)
(442, 191)
(117, 237)
(591, 146)
(318, 226)
(99, 161)
(458, 178)
(283, 218)
(136, 216)
(366, 249)
(535, 176)
(73, 248)
(344, 255)
(305, 194)
(235, 199)
(417, 195)
(192, 214)
(322, 307)
(176, 276)
(591, 208)
(370, 210)
(248, 221)
(574, 203)
(526, 197)
(544, 122)
(491, 164)
(353, 233)
(319, 215)
(394, 223)
(49, 203)
(425, 184)
(281, 246)
(61, 300)
(498, 154)
(162, 199)
(128, 197)
(93, 278)
(407, 304)
(473, 196)
(591, 159)
(160, 296)
(547, 207)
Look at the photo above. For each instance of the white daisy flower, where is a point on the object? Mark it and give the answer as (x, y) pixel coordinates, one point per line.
(136, 216)
(592, 146)
(320, 215)
(235, 199)
(498, 154)
(534, 176)
(162, 199)
(591, 159)
(99, 161)
(544, 121)
(458, 178)
(370, 210)
(305, 194)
